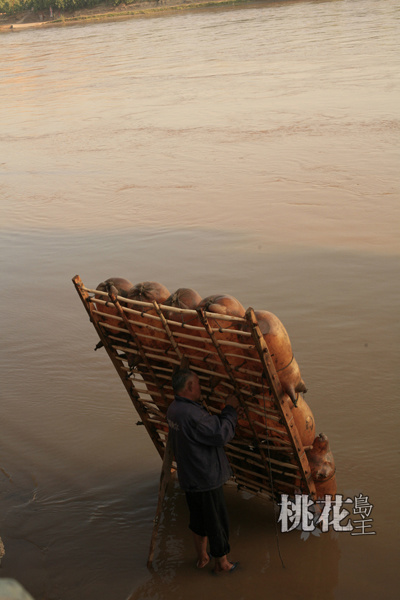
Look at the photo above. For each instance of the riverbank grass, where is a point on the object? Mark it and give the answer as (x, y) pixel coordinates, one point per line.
(106, 12)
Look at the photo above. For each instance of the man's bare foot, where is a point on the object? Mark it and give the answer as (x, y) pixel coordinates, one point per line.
(203, 561)
(225, 567)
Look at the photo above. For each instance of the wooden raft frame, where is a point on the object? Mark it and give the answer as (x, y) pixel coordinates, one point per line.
(145, 349)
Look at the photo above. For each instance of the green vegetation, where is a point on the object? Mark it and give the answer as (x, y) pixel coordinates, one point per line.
(64, 10)
(11, 7)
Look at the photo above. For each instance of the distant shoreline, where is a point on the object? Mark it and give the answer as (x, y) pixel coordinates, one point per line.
(105, 13)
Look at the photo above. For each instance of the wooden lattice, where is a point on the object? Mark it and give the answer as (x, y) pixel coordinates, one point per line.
(145, 347)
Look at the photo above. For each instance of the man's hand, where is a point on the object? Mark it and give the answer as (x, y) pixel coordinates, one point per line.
(234, 402)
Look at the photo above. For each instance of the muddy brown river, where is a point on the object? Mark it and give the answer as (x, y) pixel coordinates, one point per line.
(252, 151)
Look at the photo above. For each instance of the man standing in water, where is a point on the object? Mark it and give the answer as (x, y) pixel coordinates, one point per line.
(198, 439)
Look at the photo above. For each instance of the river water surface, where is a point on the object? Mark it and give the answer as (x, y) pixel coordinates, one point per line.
(250, 151)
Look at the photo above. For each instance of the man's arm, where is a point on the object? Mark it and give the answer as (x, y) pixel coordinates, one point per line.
(214, 430)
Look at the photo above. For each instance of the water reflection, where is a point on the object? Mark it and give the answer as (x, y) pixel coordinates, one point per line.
(310, 567)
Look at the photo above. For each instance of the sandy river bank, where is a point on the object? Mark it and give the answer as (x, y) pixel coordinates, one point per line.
(105, 12)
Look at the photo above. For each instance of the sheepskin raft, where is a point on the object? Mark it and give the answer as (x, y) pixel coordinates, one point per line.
(147, 341)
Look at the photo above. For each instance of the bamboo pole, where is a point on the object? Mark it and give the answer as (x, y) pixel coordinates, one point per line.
(212, 351)
(164, 480)
(177, 324)
(269, 412)
(167, 330)
(279, 463)
(268, 428)
(276, 388)
(156, 420)
(207, 341)
(112, 327)
(134, 396)
(262, 476)
(107, 315)
(274, 470)
(186, 311)
(148, 355)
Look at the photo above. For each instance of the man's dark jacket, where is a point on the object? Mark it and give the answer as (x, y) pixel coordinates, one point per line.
(198, 441)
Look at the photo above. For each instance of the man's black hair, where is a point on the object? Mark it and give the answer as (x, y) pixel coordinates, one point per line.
(180, 378)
